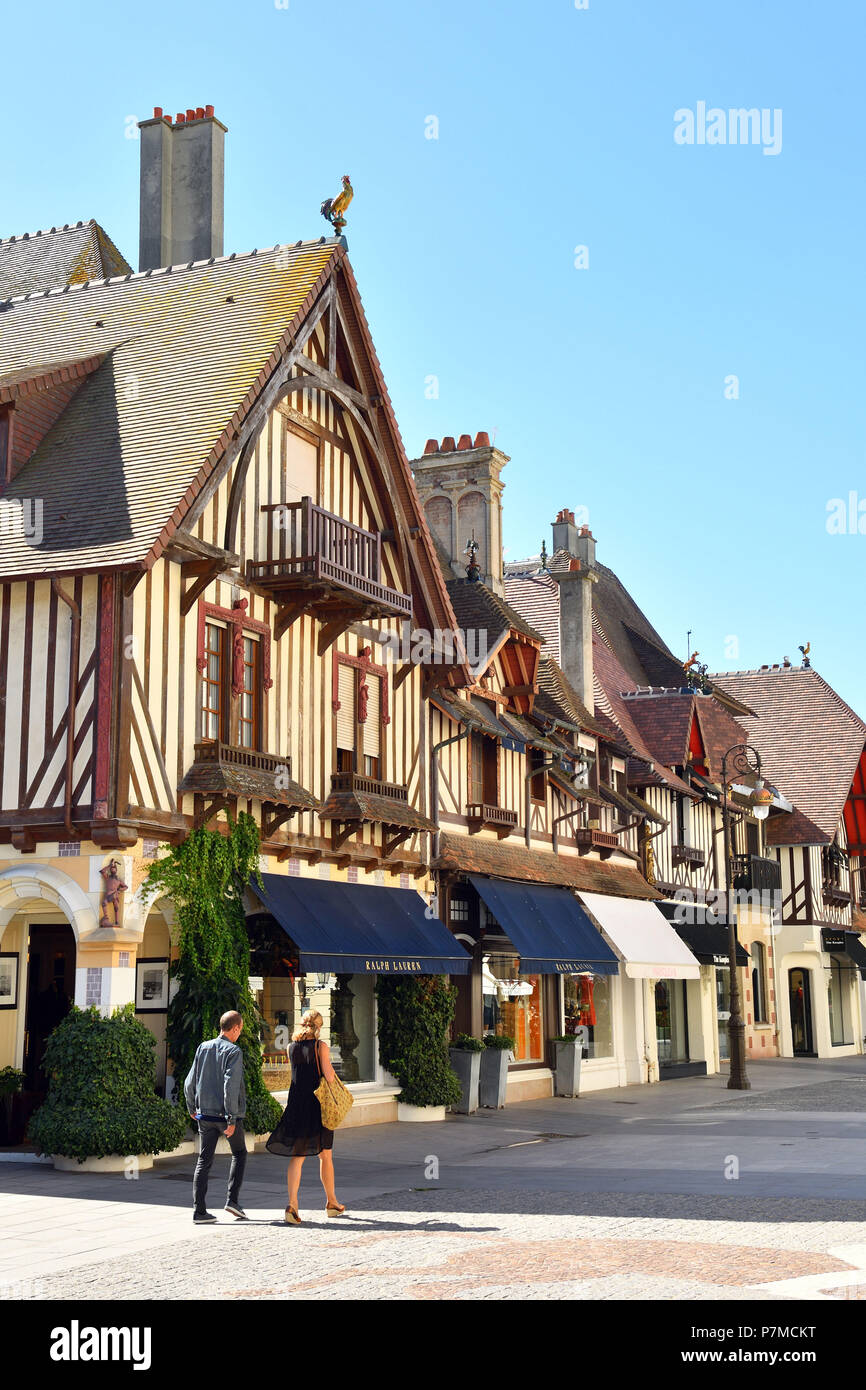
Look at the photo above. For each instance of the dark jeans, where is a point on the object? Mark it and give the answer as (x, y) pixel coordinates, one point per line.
(210, 1131)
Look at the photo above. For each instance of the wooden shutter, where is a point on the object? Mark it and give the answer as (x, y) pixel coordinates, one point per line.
(372, 729)
(346, 712)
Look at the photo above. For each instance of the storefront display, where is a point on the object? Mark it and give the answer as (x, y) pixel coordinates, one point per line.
(587, 1004)
(672, 1031)
(347, 1006)
(513, 1006)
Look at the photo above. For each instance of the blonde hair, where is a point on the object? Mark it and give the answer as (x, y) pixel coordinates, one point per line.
(311, 1026)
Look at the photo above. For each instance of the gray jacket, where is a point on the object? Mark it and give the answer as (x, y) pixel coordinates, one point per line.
(215, 1083)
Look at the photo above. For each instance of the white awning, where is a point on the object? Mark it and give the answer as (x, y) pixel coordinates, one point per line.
(644, 939)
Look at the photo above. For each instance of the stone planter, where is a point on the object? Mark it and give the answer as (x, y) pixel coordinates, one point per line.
(415, 1113)
(112, 1163)
(494, 1076)
(566, 1070)
(467, 1068)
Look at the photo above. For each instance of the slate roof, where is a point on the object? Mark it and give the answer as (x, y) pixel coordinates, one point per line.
(536, 596)
(479, 609)
(809, 739)
(558, 698)
(359, 805)
(468, 854)
(183, 367)
(212, 775)
(793, 828)
(62, 256)
(720, 731)
(610, 681)
(664, 721)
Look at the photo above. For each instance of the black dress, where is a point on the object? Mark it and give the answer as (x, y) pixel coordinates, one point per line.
(300, 1132)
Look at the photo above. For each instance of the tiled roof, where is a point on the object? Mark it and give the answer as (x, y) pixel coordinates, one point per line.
(793, 828)
(468, 854)
(809, 739)
(719, 731)
(187, 351)
(474, 713)
(359, 805)
(610, 681)
(664, 722)
(536, 596)
(62, 256)
(558, 697)
(236, 779)
(479, 609)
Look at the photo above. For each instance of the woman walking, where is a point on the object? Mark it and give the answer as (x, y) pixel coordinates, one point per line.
(300, 1132)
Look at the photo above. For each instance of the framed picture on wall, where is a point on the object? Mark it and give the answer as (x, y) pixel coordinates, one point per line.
(151, 986)
(8, 980)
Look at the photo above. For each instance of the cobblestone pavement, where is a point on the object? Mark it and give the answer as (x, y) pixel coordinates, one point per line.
(680, 1193)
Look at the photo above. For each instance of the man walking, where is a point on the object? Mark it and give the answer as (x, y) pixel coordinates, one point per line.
(216, 1097)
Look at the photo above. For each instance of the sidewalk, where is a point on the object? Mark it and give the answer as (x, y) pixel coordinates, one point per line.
(623, 1194)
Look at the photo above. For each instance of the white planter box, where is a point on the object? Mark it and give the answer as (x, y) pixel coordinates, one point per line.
(420, 1112)
(113, 1163)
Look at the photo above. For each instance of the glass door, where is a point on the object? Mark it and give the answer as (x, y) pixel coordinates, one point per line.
(800, 996)
(723, 1011)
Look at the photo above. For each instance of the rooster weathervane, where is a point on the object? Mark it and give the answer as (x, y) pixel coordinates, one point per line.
(333, 208)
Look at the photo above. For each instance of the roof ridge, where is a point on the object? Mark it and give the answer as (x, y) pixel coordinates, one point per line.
(816, 675)
(49, 231)
(180, 267)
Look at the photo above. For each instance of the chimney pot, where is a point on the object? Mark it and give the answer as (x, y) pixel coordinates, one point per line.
(482, 440)
(199, 113)
(465, 441)
(180, 117)
(157, 113)
(208, 111)
(190, 113)
(448, 445)
(432, 446)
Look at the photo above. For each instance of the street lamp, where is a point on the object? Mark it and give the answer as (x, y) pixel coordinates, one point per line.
(744, 759)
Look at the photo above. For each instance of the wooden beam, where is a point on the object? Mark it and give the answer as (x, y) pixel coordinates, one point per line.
(211, 569)
(388, 846)
(212, 806)
(186, 543)
(343, 830)
(288, 611)
(330, 631)
(279, 816)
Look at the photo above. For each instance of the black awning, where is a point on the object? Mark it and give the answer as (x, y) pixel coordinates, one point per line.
(840, 942)
(704, 929)
(547, 927)
(357, 929)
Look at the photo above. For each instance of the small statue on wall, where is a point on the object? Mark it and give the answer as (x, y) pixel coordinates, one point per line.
(112, 887)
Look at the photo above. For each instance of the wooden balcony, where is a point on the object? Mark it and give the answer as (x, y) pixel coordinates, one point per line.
(754, 873)
(318, 561)
(834, 894)
(222, 772)
(588, 838)
(213, 751)
(481, 815)
(690, 855)
(355, 783)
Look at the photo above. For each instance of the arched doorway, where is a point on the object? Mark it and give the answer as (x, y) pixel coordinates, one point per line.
(800, 998)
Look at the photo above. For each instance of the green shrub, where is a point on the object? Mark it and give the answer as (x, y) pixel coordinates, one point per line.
(466, 1043)
(11, 1081)
(500, 1043)
(205, 877)
(415, 1013)
(101, 1097)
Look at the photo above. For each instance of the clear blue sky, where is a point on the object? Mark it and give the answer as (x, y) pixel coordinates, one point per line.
(604, 385)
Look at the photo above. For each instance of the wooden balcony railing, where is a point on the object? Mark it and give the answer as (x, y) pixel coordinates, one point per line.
(213, 751)
(689, 855)
(754, 873)
(588, 838)
(481, 813)
(308, 546)
(370, 786)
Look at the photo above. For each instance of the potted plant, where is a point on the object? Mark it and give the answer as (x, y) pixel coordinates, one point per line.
(102, 1109)
(415, 1013)
(497, 1054)
(11, 1083)
(567, 1051)
(465, 1054)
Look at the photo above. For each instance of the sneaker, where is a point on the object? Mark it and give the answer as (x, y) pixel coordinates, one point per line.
(236, 1210)
(203, 1218)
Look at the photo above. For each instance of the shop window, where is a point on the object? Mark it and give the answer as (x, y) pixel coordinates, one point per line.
(672, 1024)
(348, 1008)
(587, 1003)
(759, 993)
(513, 1006)
(837, 994)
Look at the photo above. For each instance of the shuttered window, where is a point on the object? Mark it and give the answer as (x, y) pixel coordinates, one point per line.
(346, 712)
(213, 683)
(372, 729)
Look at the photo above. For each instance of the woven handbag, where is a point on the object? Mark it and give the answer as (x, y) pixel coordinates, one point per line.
(335, 1100)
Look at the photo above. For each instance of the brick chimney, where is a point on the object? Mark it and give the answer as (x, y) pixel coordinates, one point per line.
(577, 540)
(182, 175)
(575, 627)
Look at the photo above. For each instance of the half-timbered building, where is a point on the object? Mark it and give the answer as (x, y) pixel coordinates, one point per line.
(813, 745)
(212, 556)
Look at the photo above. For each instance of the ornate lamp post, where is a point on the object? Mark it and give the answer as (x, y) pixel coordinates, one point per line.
(744, 759)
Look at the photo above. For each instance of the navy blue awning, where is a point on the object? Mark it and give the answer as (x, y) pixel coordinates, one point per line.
(547, 926)
(357, 929)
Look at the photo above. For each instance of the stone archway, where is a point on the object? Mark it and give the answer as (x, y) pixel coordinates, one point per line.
(20, 883)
